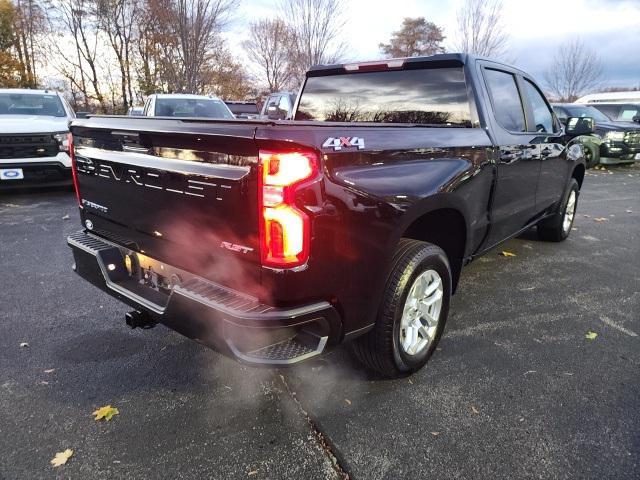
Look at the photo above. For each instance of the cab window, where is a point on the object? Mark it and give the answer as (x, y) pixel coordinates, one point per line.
(542, 117)
(283, 106)
(506, 100)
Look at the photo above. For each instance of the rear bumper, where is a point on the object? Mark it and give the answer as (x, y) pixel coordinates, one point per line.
(228, 321)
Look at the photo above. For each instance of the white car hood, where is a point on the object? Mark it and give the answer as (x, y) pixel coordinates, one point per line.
(32, 124)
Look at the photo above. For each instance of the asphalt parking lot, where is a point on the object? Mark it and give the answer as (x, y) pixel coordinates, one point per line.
(515, 390)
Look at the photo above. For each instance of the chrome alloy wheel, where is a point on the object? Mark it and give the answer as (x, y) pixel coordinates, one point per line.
(569, 212)
(421, 313)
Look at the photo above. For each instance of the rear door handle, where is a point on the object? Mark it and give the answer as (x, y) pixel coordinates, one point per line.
(546, 152)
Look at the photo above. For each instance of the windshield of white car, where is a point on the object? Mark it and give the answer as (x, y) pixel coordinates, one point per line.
(582, 112)
(192, 107)
(45, 105)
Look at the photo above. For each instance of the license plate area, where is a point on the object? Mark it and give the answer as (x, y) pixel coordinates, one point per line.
(9, 174)
(151, 273)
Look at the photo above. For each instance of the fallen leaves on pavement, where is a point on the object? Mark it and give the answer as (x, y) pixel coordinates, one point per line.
(107, 412)
(347, 401)
(601, 219)
(435, 434)
(591, 335)
(474, 410)
(24, 344)
(506, 253)
(50, 370)
(61, 457)
(252, 472)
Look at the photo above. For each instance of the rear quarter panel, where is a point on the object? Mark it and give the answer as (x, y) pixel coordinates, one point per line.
(369, 198)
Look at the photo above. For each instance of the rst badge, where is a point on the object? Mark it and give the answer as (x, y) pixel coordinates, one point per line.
(338, 143)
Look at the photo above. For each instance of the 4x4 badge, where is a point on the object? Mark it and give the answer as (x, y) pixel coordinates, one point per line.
(338, 143)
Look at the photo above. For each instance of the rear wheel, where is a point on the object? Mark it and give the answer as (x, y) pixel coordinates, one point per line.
(558, 227)
(412, 313)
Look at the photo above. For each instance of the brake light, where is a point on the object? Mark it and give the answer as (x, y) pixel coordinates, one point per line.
(285, 230)
(376, 66)
(74, 168)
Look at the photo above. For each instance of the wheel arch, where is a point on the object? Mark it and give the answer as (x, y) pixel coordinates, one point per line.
(442, 223)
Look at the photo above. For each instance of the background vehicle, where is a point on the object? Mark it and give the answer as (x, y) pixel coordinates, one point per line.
(279, 106)
(34, 126)
(620, 112)
(248, 110)
(610, 97)
(186, 106)
(135, 111)
(617, 142)
(274, 241)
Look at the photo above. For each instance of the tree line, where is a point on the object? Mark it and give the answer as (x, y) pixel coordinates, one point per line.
(109, 54)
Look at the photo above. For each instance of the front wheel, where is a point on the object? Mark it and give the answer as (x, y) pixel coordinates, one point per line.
(558, 227)
(591, 155)
(412, 312)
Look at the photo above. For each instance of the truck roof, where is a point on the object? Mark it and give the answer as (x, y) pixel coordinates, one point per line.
(451, 59)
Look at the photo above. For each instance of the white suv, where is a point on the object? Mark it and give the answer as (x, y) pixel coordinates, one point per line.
(34, 148)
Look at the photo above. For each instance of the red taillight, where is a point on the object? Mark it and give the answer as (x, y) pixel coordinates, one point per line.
(285, 230)
(74, 169)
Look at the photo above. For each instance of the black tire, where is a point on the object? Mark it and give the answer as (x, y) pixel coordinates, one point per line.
(552, 229)
(591, 155)
(380, 349)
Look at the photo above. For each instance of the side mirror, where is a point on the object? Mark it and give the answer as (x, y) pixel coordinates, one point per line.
(577, 126)
(82, 114)
(636, 118)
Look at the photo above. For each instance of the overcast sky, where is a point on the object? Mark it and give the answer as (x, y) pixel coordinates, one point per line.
(536, 28)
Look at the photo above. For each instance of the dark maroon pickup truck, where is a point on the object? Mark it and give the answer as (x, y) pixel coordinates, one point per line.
(274, 241)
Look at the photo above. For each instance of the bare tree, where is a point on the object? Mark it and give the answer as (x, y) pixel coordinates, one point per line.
(269, 47)
(116, 19)
(416, 37)
(481, 29)
(198, 24)
(79, 65)
(29, 23)
(576, 70)
(317, 27)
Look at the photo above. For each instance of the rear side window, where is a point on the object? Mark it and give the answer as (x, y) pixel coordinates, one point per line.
(435, 96)
(506, 100)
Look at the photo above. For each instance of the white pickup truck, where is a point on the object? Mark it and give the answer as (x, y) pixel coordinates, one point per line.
(34, 125)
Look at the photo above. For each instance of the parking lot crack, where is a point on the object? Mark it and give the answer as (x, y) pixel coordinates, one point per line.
(320, 437)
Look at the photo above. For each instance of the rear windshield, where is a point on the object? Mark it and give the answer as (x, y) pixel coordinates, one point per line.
(436, 96)
(31, 104)
(243, 107)
(191, 107)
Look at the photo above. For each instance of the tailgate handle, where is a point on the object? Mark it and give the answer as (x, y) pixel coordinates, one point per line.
(128, 148)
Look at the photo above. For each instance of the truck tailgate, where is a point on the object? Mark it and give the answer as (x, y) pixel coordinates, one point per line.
(179, 191)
